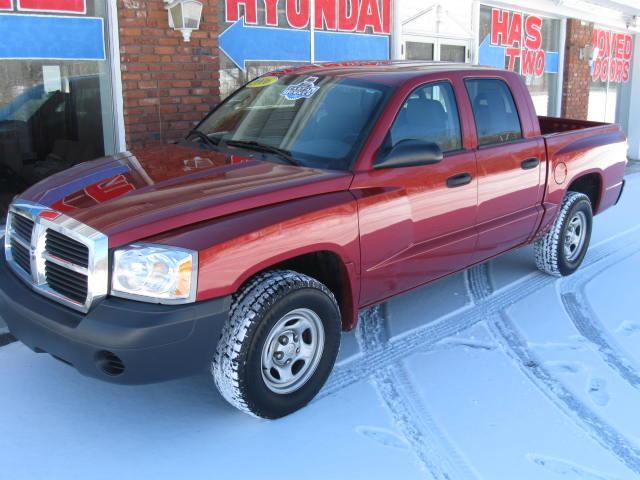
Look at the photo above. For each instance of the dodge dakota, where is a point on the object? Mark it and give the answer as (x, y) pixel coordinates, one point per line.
(306, 196)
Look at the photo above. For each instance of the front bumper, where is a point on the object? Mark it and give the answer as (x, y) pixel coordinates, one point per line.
(153, 342)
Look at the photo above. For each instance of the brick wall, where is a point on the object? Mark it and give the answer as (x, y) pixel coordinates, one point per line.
(575, 95)
(168, 84)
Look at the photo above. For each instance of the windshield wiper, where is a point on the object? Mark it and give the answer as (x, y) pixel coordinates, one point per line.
(261, 147)
(202, 136)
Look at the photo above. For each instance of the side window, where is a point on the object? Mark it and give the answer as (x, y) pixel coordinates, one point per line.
(430, 114)
(494, 111)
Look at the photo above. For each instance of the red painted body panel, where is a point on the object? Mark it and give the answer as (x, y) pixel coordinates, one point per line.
(393, 229)
(171, 186)
(599, 149)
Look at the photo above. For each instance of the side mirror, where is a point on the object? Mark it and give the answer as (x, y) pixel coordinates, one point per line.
(409, 153)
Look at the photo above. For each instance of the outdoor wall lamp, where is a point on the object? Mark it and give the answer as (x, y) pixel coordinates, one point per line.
(184, 15)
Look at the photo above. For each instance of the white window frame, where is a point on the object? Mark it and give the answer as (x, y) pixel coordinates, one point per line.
(437, 42)
(116, 75)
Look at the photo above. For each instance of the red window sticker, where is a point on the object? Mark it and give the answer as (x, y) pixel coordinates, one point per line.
(58, 6)
(6, 4)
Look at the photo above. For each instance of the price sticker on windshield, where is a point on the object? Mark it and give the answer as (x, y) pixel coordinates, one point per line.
(305, 89)
(262, 82)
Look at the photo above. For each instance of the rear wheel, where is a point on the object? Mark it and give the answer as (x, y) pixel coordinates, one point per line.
(279, 345)
(561, 251)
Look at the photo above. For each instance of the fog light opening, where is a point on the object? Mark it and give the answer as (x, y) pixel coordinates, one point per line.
(109, 363)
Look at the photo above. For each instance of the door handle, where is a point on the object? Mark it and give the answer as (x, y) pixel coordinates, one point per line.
(530, 163)
(459, 180)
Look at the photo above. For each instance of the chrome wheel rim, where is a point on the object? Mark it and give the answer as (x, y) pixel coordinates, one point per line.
(575, 236)
(292, 351)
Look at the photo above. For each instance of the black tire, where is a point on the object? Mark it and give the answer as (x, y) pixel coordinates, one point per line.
(256, 309)
(550, 249)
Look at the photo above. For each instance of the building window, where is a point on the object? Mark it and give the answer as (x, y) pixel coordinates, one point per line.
(57, 107)
(418, 51)
(610, 68)
(527, 44)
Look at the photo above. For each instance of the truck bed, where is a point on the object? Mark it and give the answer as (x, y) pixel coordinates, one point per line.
(581, 147)
(551, 125)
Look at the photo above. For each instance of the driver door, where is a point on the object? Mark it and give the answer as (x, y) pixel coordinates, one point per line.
(417, 223)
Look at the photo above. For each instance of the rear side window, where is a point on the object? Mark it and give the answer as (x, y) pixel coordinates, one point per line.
(494, 111)
(430, 114)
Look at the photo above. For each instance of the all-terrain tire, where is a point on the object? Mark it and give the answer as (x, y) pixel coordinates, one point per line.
(549, 250)
(255, 309)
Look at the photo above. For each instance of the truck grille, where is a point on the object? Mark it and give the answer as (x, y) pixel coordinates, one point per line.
(66, 282)
(21, 255)
(58, 256)
(67, 248)
(23, 227)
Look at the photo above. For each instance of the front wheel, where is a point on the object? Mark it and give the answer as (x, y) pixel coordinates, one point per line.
(561, 251)
(279, 345)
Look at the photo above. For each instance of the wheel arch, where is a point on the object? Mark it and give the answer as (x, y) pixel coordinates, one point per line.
(326, 266)
(591, 184)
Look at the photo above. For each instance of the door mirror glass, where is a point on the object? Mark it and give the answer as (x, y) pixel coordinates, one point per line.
(409, 153)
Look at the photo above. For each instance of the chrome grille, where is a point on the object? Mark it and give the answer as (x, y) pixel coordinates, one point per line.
(58, 256)
(66, 282)
(67, 248)
(23, 227)
(21, 255)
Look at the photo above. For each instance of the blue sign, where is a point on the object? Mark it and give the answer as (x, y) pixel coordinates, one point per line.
(243, 43)
(51, 38)
(491, 55)
(340, 46)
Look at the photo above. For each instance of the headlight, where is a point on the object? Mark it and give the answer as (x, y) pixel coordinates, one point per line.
(155, 273)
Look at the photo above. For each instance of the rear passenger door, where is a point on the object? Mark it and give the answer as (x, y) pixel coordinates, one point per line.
(509, 169)
(417, 223)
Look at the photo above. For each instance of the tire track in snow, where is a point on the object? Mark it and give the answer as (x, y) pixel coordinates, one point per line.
(433, 450)
(401, 346)
(515, 346)
(608, 437)
(578, 308)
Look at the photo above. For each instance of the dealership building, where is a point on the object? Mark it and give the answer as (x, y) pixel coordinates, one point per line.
(83, 78)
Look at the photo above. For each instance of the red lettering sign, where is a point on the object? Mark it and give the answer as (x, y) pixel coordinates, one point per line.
(249, 10)
(613, 56)
(533, 32)
(297, 13)
(6, 5)
(338, 15)
(522, 38)
(499, 26)
(58, 6)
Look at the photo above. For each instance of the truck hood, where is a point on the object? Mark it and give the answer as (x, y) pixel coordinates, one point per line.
(138, 194)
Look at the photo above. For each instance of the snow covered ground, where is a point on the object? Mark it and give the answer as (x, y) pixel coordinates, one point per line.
(497, 373)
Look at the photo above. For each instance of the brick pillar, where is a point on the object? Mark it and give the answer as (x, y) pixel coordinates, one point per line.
(168, 84)
(575, 84)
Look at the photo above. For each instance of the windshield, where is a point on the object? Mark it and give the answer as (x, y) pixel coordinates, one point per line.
(319, 121)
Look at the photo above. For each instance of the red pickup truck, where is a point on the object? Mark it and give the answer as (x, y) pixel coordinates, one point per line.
(306, 196)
